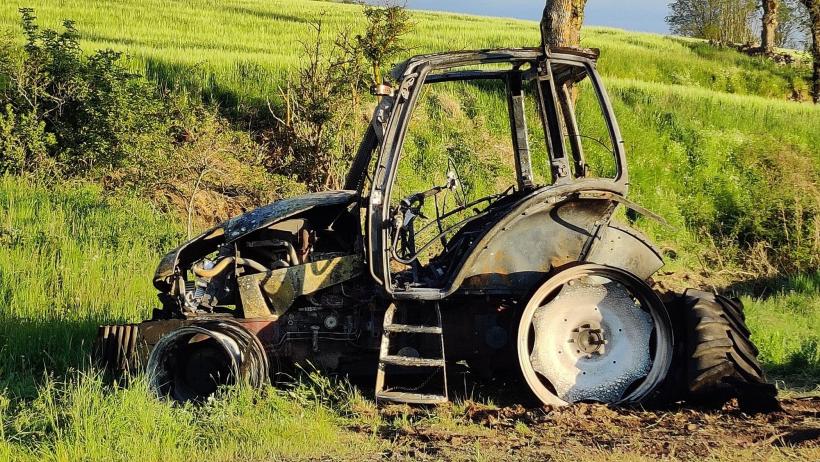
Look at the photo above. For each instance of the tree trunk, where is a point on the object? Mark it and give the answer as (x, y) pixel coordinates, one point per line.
(814, 31)
(561, 23)
(769, 30)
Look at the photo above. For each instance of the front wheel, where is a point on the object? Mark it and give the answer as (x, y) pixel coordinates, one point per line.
(594, 333)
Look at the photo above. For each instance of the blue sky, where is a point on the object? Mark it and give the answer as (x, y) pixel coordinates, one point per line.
(640, 15)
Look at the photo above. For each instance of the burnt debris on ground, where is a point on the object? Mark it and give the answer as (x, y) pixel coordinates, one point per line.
(517, 432)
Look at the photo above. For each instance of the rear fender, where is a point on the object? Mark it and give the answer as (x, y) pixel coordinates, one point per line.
(528, 244)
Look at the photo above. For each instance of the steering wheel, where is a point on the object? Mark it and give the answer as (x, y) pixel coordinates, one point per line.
(406, 213)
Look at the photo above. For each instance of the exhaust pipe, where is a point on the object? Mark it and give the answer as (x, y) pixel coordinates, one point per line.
(191, 363)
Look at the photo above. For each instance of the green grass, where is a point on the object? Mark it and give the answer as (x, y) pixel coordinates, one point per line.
(240, 50)
(71, 259)
(714, 147)
(784, 324)
(82, 418)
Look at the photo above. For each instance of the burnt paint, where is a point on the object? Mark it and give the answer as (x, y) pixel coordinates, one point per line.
(242, 225)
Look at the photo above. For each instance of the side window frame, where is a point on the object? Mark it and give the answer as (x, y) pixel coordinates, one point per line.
(607, 113)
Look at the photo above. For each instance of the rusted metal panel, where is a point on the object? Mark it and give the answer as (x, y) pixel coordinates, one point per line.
(625, 248)
(254, 305)
(200, 245)
(239, 226)
(116, 348)
(522, 252)
(282, 286)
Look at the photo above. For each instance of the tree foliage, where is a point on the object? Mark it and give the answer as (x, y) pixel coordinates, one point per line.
(792, 25)
(382, 39)
(317, 131)
(724, 21)
(65, 113)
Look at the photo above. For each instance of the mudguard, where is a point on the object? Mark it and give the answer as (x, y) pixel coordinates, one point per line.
(523, 248)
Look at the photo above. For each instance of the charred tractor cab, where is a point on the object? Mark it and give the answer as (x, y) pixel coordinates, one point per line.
(516, 268)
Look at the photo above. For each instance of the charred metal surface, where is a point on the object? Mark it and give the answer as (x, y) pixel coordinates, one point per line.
(282, 286)
(625, 248)
(528, 247)
(240, 226)
(118, 348)
(191, 362)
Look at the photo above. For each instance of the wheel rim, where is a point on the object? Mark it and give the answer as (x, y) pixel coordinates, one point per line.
(594, 333)
(191, 362)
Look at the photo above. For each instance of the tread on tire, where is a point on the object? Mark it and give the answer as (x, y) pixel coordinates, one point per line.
(721, 360)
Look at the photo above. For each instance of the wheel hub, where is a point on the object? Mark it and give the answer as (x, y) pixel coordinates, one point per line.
(589, 337)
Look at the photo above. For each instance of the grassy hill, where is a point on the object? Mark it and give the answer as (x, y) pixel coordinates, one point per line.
(715, 146)
(244, 48)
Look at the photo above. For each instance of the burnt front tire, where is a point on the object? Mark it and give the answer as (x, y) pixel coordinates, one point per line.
(191, 362)
(721, 360)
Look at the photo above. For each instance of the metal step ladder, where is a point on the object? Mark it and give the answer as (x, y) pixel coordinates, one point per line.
(409, 363)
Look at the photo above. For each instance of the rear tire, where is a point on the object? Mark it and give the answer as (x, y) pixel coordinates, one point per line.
(721, 360)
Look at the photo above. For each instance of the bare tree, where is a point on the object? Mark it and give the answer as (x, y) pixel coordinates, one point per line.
(561, 23)
(768, 30)
(814, 31)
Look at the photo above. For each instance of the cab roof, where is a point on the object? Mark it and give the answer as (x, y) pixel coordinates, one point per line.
(451, 59)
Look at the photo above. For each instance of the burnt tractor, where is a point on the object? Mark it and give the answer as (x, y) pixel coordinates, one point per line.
(543, 279)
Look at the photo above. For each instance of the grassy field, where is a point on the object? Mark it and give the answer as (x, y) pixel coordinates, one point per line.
(240, 50)
(715, 147)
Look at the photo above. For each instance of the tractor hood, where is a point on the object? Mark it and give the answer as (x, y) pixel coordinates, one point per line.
(242, 225)
(239, 226)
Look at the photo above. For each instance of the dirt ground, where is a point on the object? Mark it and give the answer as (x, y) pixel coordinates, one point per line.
(587, 431)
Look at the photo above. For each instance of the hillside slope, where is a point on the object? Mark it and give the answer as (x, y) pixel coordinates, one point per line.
(713, 143)
(244, 48)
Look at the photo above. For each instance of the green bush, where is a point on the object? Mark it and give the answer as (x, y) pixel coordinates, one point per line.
(64, 111)
(65, 114)
(24, 141)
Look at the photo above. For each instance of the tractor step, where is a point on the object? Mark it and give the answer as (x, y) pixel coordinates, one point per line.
(412, 361)
(410, 398)
(404, 365)
(408, 329)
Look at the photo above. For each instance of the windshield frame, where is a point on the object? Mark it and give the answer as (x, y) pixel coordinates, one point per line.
(412, 76)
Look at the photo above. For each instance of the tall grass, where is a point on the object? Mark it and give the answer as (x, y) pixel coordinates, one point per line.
(70, 259)
(785, 323)
(82, 418)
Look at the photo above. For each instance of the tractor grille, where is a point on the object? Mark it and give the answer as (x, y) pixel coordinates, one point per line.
(115, 348)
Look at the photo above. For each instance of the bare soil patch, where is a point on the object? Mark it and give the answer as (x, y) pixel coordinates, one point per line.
(587, 431)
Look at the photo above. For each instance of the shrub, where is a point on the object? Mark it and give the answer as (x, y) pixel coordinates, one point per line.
(320, 128)
(74, 114)
(67, 115)
(24, 141)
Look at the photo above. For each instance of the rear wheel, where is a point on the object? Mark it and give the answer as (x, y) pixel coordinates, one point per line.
(721, 359)
(594, 333)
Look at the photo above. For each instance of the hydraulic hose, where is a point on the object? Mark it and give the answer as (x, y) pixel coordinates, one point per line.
(223, 264)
